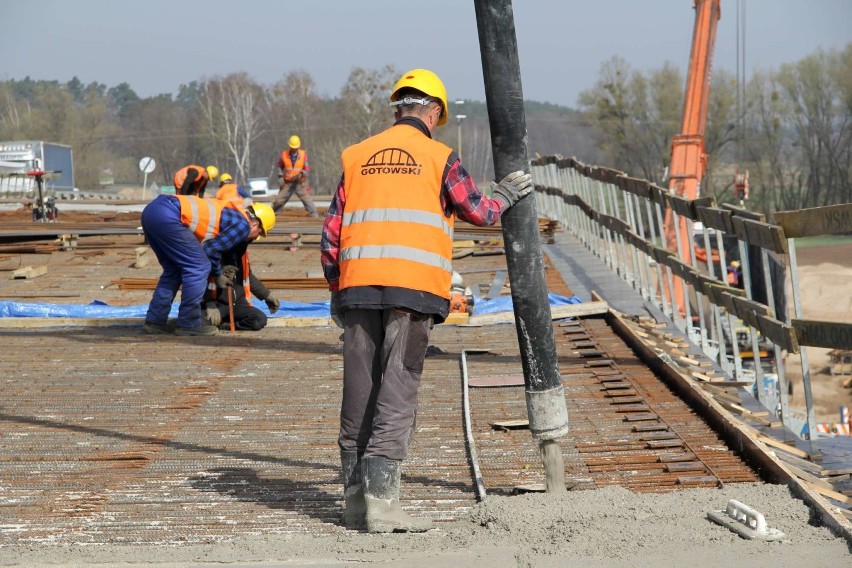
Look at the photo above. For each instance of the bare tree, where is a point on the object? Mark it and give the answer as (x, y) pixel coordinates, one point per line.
(235, 110)
(366, 96)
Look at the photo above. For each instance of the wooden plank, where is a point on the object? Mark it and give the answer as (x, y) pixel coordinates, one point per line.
(627, 400)
(828, 334)
(685, 466)
(695, 479)
(803, 464)
(649, 427)
(737, 409)
(36, 323)
(556, 312)
(810, 478)
(511, 424)
(671, 443)
(679, 457)
(641, 417)
(632, 408)
(457, 318)
(782, 446)
(496, 381)
(29, 272)
(142, 257)
(830, 220)
(832, 495)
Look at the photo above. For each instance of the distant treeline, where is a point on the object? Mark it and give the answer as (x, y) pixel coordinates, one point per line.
(791, 127)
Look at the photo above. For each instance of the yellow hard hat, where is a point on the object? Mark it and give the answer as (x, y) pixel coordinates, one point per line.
(427, 83)
(265, 214)
(225, 178)
(213, 172)
(295, 142)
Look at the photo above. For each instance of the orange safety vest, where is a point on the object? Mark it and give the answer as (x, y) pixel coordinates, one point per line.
(291, 170)
(231, 195)
(201, 216)
(394, 231)
(180, 176)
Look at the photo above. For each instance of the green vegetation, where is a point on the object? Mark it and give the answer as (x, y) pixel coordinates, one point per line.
(827, 241)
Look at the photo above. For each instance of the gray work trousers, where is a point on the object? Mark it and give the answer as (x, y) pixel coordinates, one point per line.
(302, 190)
(383, 353)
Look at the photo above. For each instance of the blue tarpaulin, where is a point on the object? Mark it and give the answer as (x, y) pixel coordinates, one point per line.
(98, 309)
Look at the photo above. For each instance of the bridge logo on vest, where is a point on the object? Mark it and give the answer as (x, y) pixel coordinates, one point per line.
(391, 161)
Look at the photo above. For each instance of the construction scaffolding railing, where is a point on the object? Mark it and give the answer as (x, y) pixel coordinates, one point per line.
(741, 322)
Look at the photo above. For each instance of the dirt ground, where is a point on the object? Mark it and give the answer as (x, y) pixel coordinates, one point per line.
(825, 274)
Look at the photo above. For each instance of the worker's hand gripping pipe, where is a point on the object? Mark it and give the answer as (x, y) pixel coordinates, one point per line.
(548, 414)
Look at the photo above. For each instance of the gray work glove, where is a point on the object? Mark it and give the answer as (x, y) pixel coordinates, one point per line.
(512, 188)
(230, 271)
(223, 281)
(273, 304)
(212, 314)
(336, 310)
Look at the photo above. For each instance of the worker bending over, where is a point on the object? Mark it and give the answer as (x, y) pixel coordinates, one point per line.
(231, 192)
(387, 255)
(189, 234)
(219, 303)
(293, 177)
(192, 180)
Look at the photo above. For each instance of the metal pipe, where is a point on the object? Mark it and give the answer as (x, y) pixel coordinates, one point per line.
(548, 414)
(468, 429)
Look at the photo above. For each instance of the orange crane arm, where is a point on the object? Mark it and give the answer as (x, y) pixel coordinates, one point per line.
(689, 160)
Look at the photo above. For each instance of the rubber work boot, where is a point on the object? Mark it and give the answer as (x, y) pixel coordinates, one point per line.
(381, 494)
(354, 508)
(203, 329)
(157, 328)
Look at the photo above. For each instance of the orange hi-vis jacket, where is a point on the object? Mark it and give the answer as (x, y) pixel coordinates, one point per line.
(201, 216)
(394, 231)
(231, 195)
(180, 176)
(291, 170)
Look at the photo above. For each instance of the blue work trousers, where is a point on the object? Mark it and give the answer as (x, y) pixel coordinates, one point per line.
(183, 260)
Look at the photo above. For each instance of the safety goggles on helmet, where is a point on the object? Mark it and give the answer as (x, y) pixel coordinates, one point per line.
(409, 100)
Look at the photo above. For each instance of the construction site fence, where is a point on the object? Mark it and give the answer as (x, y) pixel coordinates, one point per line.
(620, 220)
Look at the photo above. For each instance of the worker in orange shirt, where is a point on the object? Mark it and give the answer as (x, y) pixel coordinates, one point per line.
(192, 180)
(232, 193)
(293, 177)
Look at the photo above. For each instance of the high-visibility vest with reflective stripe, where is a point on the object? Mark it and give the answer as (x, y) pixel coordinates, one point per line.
(394, 232)
(229, 193)
(291, 170)
(201, 216)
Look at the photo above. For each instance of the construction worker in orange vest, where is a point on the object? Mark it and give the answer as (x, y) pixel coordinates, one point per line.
(192, 180)
(231, 192)
(386, 251)
(189, 234)
(293, 177)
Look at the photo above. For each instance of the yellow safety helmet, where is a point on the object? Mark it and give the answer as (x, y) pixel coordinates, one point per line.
(295, 142)
(213, 172)
(265, 214)
(225, 178)
(427, 83)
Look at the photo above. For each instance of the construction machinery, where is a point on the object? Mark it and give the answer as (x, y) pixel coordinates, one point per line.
(689, 160)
